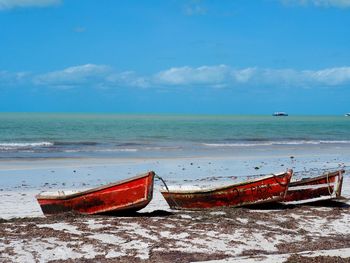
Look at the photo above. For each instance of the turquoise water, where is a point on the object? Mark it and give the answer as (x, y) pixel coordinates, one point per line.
(22, 133)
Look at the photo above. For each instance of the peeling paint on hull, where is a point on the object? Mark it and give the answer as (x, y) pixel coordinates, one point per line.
(262, 190)
(125, 196)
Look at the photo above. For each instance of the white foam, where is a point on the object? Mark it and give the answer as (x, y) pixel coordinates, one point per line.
(118, 150)
(336, 142)
(235, 144)
(269, 143)
(20, 145)
(102, 150)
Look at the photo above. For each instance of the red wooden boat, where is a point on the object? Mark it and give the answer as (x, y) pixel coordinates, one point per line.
(125, 196)
(325, 187)
(265, 189)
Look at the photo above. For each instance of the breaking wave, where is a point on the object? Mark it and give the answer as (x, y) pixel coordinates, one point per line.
(269, 143)
(24, 145)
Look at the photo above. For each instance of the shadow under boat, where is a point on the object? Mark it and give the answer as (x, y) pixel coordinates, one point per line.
(155, 213)
(270, 206)
(339, 203)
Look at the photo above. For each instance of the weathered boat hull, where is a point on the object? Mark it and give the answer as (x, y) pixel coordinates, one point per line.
(124, 196)
(262, 190)
(324, 187)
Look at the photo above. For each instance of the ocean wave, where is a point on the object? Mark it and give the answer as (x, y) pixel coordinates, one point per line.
(126, 144)
(100, 150)
(269, 143)
(235, 144)
(82, 143)
(23, 145)
(117, 150)
(336, 142)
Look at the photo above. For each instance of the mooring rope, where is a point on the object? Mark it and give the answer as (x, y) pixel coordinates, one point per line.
(329, 186)
(160, 178)
(166, 187)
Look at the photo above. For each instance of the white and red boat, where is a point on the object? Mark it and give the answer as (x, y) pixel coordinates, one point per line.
(325, 187)
(270, 188)
(124, 196)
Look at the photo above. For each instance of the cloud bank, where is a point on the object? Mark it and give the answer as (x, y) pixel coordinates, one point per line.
(319, 3)
(13, 78)
(9, 4)
(217, 76)
(225, 76)
(74, 76)
(90, 75)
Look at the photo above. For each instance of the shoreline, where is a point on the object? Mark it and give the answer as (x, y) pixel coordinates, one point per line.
(183, 150)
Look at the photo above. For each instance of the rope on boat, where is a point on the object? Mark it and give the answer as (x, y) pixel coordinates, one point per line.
(329, 186)
(166, 187)
(160, 178)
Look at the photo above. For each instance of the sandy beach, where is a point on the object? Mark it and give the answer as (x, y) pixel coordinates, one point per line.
(276, 233)
(174, 131)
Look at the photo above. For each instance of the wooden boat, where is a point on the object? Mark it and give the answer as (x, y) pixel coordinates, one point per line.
(265, 189)
(124, 196)
(325, 187)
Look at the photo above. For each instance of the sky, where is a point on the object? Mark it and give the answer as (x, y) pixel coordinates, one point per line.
(175, 56)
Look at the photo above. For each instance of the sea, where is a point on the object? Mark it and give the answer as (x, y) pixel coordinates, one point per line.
(52, 135)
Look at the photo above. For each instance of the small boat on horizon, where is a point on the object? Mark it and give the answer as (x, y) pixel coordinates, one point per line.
(280, 113)
(325, 187)
(347, 114)
(126, 196)
(270, 188)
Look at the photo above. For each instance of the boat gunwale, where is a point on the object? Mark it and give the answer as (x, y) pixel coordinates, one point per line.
(305, 181)
(246, 204)
(96, 189)
(221, 188)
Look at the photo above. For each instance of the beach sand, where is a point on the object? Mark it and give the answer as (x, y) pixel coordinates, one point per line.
(274, 234)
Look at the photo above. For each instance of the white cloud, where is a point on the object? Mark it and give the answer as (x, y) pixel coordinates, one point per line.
(220, 76)
(194, 76)
(8, 4)
(13, 78)
(244, 75)
(74, 76)
(331, 76)
(194, 7)
(319, 3)
(127, 78)
(225, 76)
(90, 75)
(194, 10)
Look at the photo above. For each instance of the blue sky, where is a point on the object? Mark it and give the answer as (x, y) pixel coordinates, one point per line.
(176, 56)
